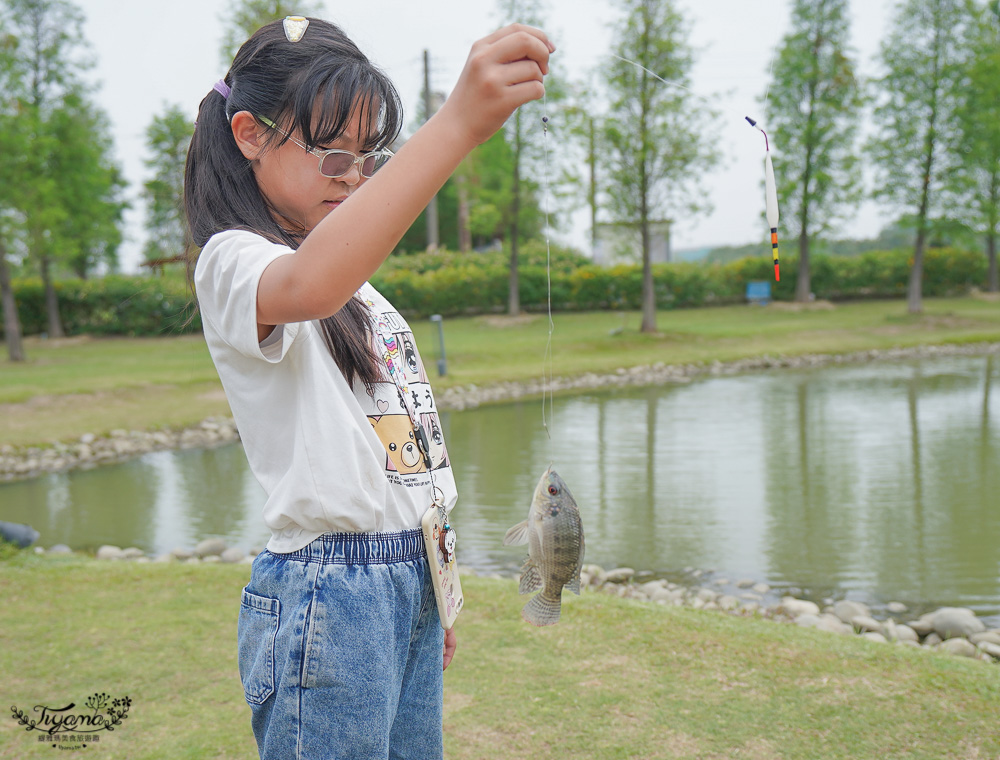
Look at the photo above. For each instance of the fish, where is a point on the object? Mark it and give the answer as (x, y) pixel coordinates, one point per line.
(553, 532)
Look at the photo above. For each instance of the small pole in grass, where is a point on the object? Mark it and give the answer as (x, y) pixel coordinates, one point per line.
(442, 362)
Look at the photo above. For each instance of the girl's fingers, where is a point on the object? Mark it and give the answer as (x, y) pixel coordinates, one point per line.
(515, 28)
(522, 71)
(522, 92)
(504, 71)
(450, 643)
(520, 46)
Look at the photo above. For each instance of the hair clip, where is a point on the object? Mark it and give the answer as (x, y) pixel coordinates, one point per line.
(222, 88)
(295, 27)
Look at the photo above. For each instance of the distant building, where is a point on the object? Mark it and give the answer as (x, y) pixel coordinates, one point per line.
(621, 243)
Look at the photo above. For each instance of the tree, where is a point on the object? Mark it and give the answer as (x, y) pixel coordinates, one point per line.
(13, 147)
(46, 34)
(67, 207)
(244, 17)
(584, 126)
(519, 129)
(167, 140)
(813, 114)
(88, 184)
(489, 174)
(656, 142)
(917, 148)
(977, 181)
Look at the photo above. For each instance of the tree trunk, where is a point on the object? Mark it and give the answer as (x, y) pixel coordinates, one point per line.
(803, 284)
(431, 215)
(592, 190)
(914, 304)
(11, 323)
(992, 278)
(464, 236)
(991, 255)
(648, 291)
(51, 301)
(915, 291)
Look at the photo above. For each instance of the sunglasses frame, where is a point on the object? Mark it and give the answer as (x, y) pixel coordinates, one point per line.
(357, 160)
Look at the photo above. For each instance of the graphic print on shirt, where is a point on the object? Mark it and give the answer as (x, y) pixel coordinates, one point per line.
(396, 433)
(439, 455)
(389, 418)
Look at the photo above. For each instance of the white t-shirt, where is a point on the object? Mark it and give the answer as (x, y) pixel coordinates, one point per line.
(330, 457)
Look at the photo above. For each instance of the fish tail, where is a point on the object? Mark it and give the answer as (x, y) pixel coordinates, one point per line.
(542, 610)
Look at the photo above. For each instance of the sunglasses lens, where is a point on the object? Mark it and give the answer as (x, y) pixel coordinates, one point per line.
(373, 163)
(336, 164)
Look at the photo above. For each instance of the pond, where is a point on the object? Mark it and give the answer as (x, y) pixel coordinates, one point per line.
(876, 482)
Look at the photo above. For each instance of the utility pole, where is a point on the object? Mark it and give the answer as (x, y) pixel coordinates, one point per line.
(432, 209)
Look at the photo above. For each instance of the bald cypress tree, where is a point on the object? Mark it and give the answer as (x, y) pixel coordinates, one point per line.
(916, 110)
(976, 184)
(656, 137)
(813, 112)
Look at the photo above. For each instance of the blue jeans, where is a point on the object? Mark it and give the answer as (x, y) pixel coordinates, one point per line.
(341, 650)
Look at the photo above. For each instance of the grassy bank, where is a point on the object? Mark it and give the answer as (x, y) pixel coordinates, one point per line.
(615, 679)
(77, 386)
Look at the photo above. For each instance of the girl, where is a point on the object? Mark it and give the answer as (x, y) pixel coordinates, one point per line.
(340, 648)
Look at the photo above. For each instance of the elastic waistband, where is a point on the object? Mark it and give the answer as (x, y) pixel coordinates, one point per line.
(362, 548)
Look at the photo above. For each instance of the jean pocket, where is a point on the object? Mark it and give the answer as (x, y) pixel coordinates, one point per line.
(256, 632)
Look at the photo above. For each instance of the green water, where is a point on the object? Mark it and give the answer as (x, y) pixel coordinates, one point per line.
(877, 482)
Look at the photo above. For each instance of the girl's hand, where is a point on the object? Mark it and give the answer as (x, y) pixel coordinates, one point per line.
(504, 71)
(450, 642)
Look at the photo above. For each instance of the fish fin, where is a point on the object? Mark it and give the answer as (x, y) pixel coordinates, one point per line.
(517, 535)
(542, 610)
(531, 579)
(574, 584)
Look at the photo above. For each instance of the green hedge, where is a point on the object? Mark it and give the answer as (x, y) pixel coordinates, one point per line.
(448, 283)
(112, 305)
(473, 285)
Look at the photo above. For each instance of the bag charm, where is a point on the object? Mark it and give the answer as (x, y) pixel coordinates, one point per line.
(447, 542)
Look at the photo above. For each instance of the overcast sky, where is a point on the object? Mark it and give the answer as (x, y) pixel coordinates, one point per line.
(153, 54)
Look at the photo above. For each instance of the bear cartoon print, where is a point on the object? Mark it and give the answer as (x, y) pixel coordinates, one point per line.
(400, 442)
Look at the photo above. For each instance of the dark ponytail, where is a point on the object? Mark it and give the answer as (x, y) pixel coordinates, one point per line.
(284, 81)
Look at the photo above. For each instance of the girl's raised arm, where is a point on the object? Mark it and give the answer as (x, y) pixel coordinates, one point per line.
(503, 71)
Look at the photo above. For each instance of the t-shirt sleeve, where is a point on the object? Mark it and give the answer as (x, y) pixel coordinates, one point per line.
(226, 279)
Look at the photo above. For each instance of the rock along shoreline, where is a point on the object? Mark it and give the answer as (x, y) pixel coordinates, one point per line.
(951, 630)
(19, 463)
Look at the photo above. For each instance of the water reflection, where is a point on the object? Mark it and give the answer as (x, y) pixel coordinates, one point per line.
(876, 482)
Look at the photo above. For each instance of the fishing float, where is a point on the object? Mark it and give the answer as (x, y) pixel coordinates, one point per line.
(770, 197)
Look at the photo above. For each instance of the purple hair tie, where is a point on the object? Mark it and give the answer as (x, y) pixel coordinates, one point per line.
(222, 88)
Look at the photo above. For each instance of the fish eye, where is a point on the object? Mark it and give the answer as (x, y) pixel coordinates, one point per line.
(553, 490)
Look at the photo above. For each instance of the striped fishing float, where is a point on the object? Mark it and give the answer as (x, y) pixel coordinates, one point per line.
(771, 198)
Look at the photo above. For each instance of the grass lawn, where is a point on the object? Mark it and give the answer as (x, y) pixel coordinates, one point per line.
(80, 385)
(614, 679)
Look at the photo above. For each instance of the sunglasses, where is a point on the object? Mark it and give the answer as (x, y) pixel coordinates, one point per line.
(335, 162)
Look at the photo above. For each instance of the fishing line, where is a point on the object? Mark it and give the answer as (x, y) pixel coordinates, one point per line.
(640, 66)
(770, 70)
(547, 360)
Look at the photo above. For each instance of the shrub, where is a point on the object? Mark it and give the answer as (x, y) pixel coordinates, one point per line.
(453, 284)
(112, 305)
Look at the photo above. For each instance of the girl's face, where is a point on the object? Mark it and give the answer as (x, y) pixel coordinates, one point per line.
(289, 177)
